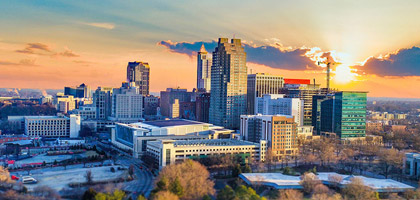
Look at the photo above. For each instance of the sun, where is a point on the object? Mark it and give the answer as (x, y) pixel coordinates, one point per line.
(344, 74)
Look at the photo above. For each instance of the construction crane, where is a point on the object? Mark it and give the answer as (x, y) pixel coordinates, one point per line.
(329, 64)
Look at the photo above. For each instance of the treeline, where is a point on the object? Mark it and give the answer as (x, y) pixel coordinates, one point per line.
(19, 109)
(394, 106)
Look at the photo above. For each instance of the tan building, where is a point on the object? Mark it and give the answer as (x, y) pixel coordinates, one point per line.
(280, 131)
(174, 112)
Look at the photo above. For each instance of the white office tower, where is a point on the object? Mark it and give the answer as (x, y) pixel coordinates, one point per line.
(277, 104)
(127, 104)
(260, 84)
(203, 70)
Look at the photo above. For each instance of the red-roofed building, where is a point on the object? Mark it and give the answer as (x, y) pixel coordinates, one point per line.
(297, 81)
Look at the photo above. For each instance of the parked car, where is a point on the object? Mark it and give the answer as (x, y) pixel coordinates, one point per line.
(28, 180)
(14, 177)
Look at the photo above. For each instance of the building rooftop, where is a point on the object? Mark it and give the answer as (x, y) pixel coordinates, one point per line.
(281, 181)
(172, 122)
(212, 142)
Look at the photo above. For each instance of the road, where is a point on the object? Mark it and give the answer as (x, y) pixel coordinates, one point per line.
(144, 179)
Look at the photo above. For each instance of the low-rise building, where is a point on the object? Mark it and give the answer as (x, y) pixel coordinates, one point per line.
(166, 152)
(136, 136)
(50, 126)
(412, 164)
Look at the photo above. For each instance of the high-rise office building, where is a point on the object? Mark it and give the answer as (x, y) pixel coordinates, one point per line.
(280, 132)
(102, 101)
(228, 84)
(167, 98)
(305, 92)
(316, 111)
(127, 104)
(277, 104)
(203, 70)
(139, 73)
(344, 114)
(260, 84)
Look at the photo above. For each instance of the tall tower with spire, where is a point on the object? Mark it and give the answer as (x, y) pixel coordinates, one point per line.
(203, 70)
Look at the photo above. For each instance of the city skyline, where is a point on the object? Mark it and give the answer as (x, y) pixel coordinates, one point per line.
(75, 43)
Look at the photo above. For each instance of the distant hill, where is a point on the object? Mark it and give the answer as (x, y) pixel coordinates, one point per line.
(27, 92)
(392, 99)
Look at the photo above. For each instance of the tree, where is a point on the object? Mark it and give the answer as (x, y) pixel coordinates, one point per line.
(193, 176)
(326, 197)
(236, 171)
(46, 192)
(389, 159)
(269, 158)
(89, 177)
(162, 184)
(335, 180)
(243, 192)
(89, 194)
(356, 189)
(165, 195)
(290, 195)
(247, 169)
(206, 197)
(141, 197)
(226, 193)
(176, 188)
(116, 195)
(320, 189)
(308, 182)
(4, 175)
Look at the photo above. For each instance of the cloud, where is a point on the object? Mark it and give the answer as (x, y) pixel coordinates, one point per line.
(23, 62)
(35, 48)
(404, 62)
(28, 62)
(68, 53)
(108, 26)
(275, 56)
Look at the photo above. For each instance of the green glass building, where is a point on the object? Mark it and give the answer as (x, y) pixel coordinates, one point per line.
(350, 114)
(344, 114)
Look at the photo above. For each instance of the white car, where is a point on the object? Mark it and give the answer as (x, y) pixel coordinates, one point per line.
(28, 180)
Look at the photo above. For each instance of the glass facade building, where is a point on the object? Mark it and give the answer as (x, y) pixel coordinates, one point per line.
(343, 113)
(350, 114)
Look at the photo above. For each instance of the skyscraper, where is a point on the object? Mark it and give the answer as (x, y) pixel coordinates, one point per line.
(139, 73)
(276, 104)
(345, 114)
(260, 84)
(228, 84)
(203, 70)
(127, 104)
(103, 102)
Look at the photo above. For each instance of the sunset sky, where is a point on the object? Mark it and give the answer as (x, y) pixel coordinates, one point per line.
(51, 44)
